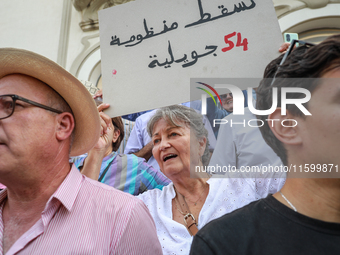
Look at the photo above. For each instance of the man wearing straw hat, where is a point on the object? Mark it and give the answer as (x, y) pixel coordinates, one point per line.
(48, 207)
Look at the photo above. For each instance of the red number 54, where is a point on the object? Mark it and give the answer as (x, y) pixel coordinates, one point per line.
(239, 42)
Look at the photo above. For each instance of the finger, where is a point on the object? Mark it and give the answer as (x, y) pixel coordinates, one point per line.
(284, 47)
(106, 118)
(99, 93)
(102, 107)
(103, 127)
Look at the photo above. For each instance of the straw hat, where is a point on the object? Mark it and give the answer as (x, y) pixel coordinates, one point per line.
(87, 120)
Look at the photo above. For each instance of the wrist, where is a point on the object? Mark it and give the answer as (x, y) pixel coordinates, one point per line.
(96, 153)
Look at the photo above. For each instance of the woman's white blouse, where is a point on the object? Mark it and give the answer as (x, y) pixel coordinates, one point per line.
(225, 195)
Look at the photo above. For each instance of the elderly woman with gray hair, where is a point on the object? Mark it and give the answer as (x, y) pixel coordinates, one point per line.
(193, 199)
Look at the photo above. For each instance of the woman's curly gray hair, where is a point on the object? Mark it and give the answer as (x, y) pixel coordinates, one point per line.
(178, 115)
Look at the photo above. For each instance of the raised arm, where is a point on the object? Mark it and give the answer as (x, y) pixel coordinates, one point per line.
(92, 164)
(145, 152)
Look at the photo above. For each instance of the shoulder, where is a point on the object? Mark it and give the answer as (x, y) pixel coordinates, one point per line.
(132, 157)
(221, 113)
(103, 196)
(125, 218)
(231, 231)
(229, 193)
(136, 163)
(155, 197)
(240, 217)
(127, 157)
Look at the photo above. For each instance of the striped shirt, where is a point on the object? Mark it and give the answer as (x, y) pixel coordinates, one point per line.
(128, 173)
(86, 217)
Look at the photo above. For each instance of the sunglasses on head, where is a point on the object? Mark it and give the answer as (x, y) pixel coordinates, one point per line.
(224, 96)
(290, 49)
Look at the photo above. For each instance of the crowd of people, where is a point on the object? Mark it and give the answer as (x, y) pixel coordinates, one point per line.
(67, 189)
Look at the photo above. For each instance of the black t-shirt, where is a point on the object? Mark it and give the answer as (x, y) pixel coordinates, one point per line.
(267, 227)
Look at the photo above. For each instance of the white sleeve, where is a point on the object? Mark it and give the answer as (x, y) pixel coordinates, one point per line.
(268, 183)
(135, 141)
(225, 152)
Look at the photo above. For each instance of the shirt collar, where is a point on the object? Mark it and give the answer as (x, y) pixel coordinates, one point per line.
(112, 155)
(3, 195)
(68, 190)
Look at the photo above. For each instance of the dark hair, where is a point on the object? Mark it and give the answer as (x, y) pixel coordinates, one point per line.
(118, 124)
(303, 62)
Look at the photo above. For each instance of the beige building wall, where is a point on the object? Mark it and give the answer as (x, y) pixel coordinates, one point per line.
(33, 25)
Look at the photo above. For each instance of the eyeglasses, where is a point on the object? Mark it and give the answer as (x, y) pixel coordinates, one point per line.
(224, 96)
(290, 49)
(7, 105)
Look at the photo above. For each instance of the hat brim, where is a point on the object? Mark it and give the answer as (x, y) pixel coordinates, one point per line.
(87, 120)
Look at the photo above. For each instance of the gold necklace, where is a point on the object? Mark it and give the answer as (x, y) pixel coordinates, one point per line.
(178, 202)
(185, 198)
(195, 203)
(177, 207)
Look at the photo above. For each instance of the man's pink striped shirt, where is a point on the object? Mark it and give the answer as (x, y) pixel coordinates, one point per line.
(86, 217)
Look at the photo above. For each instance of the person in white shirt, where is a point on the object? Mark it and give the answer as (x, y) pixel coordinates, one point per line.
(239, 145)
(180, 146)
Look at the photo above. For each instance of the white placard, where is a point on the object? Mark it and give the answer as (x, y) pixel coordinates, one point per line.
(151, 48)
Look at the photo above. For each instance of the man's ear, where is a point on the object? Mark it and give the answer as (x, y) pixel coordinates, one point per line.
(65, 125)
(116, 134)
(285, 128)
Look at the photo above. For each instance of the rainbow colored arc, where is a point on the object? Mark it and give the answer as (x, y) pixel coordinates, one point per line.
(208, 92)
